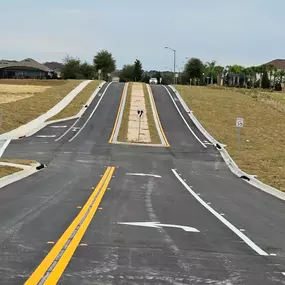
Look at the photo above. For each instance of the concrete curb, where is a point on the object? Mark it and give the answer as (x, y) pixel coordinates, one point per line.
(120, 117)
(154, 114)
(227, 158)
(83, 109)
(38, 123)
(27, 171)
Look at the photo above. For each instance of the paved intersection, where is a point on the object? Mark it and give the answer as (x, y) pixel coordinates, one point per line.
(35, 212)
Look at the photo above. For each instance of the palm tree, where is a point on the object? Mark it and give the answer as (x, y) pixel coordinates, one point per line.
(218, 70)
(282, 73)
(270, 69)
(211, 69)
(245, 72)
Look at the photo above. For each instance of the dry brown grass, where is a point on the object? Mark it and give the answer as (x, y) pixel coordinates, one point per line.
(155, 139)
(123, 132)
(78, 102)
(18, 161)
(7, 170)
(262, 138)
(22, 111)
(33, 82)
(11, 93)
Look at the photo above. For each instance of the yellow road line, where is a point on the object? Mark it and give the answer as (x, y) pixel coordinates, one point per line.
(49, 259)
(118, 114)
(157, 116)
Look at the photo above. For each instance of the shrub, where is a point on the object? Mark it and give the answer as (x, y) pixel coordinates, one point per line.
(278, 87)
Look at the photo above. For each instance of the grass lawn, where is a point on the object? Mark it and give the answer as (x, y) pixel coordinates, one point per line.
(123, 132)
(155, 139)
(18, 161)
(262, 138)
(7, 170)
(27, 108)
(80, 100)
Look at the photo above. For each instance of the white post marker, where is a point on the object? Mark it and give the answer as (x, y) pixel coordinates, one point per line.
(239, 125)
(140, 113)
(159, 225)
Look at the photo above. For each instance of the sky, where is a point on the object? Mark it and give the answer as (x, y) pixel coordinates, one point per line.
(244, 32)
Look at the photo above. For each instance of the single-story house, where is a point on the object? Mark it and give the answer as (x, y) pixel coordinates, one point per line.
(279, 64)
(27, 68)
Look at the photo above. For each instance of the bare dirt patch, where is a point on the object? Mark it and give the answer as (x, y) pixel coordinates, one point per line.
(20, 112)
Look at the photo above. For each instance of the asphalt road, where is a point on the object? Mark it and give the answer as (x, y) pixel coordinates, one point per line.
(36, 211)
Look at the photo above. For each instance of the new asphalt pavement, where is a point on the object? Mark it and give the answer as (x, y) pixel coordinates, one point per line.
(172, 215)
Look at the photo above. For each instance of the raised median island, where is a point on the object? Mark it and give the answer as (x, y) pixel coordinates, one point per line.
(137, 121)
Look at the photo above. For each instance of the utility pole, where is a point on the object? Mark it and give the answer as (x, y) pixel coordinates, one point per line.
(174, 63)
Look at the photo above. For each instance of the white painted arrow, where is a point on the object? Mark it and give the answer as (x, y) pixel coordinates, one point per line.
(159, 225)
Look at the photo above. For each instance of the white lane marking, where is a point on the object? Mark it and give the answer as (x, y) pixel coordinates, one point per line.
(67, 130)
(283, 273)
(91, 114)
(4, 146)
(143, 174)
(159, 225)
(46, 136)
(248, 241)
(185, 120)
(273, 254)
(58, 127)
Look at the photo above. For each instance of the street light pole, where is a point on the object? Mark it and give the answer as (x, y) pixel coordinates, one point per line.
(174, 61)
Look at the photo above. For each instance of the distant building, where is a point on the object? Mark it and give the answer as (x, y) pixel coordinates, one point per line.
(279, 64)
(27, 68)
(55, 66)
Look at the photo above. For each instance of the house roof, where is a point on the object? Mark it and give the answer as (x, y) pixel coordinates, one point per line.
(28, 62)
(56, 66)
(278, 63)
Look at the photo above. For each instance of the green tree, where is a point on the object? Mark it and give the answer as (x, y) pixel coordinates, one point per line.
(87, 70)
(194, 68)
(127, 73)
(265, 83)
(105, 62)
(71, 68)
(138, 71)
(158, 76)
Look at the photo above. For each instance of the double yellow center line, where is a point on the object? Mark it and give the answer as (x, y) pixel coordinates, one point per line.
(51, 268)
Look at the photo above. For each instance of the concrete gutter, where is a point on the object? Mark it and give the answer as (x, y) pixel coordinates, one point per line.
(38, 123)
(27, 171)
(227, 158)
(155, 117)
(83, 109)
(120, 115)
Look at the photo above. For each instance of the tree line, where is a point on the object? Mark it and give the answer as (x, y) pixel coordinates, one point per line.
(103, 66)
(195, 72)
(264, 76)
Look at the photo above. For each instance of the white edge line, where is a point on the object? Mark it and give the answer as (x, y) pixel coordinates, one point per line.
(91, 114)
(4, 146)
(155, 116)
(248, 241)
(115, 138)
(227, 158)
(184, 119)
